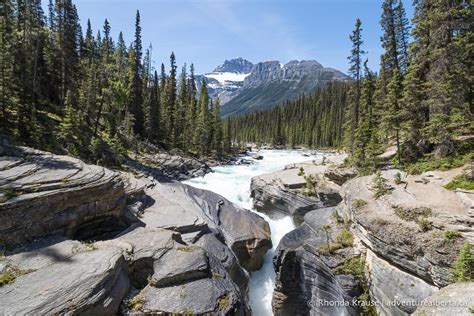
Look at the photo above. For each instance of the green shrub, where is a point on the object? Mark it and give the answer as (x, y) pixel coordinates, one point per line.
(463, 181)
(424, 223)
(411, 214)
(11, 273)
(345, 238)
(462, 155)
(310, 187)
(451, 234)
(380, 185)
(463, 267)
(7, 277)
(223, 302)
(329, 248)
(136, 303)
(301, 172)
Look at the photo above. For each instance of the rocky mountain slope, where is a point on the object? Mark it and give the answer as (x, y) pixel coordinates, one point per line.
(384, 248)
(245, 87)
(82, 239)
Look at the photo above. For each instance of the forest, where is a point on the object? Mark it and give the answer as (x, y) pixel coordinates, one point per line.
(420, 101)
(92, 96)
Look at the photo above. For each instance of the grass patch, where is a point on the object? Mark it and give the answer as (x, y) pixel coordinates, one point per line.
(7, 277)
(358, 204)
(345, 238)
(463, 181)
(411, 215)
(327, 249)
(185, 249)
(137, 302)
(223, 302)
(353, 266)
(463, 267)
(451, 234)
(8, 193)
(11, 273)
(217, 276)
(356, 266)
(90, 246)
(424, 223)
(463, 154)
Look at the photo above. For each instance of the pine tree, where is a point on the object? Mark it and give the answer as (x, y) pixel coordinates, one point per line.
(217, 135)
(8, 103)
(202, 131)
(72, 130)
(135, 103)
(355, 69)
(366, 125)
(153, 112)
(170, 105)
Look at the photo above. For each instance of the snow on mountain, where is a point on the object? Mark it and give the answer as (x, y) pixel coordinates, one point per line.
(226, 77)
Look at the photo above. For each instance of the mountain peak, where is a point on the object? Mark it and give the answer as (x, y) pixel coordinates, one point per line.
(236, 65)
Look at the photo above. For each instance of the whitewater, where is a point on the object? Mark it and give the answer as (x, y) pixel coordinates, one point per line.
(233, 183)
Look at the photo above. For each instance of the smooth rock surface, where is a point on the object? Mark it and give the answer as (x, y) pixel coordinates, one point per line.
(90, 282)
(62, 193)
(305, 282)
(455, 299)
(283, 190)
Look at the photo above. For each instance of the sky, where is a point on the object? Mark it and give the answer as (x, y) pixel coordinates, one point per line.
(207, 32)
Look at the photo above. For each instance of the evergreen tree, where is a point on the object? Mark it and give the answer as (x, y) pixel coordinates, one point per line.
(217, 135)
(202, 131)
(355, 70)
(8, 102)
(135, 102)
(152, 113)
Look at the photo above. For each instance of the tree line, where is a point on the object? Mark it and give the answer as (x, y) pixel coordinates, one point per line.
(90, 94)
(314, 120)
(419, 101)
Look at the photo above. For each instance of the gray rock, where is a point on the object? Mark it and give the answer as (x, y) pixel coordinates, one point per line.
(340, 175)
(390, 284)
(455, 299)
(180, 265)
(305, 282)
(271, 193)
(245, 232)
(48, 194)
(92, 282)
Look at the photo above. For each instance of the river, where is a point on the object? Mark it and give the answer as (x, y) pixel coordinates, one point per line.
(233, 183)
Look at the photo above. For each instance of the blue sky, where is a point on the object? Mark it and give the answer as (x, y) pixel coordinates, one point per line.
(206, 32)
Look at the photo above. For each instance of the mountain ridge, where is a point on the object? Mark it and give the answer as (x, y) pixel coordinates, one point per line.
(245, 87)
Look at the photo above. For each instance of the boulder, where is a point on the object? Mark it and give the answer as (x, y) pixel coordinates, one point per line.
(454, 299)
(284, 191)
(42, 194)
(245, 232)
(305, 281)
(91, 282)
(340, 175)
